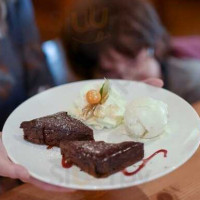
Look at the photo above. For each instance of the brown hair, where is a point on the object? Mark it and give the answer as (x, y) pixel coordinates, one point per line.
(126, 26)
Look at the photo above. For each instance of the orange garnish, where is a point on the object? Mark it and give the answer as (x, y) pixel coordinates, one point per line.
(93, 97)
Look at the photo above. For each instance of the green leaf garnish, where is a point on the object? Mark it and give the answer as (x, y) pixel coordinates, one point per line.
(104, 91)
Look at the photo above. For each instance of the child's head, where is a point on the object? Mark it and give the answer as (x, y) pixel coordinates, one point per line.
(115, 38)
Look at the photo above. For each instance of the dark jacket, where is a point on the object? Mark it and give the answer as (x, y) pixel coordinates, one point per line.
(23, 68)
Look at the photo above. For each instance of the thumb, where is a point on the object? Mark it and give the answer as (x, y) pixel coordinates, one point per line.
(154, 82)
(17, 172)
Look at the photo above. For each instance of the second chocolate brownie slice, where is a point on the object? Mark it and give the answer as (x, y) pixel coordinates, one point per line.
(101, 159)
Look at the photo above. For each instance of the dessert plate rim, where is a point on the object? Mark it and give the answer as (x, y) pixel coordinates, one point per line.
(6, 138)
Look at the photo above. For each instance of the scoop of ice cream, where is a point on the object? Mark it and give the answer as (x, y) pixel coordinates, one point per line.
(106, 115)
(146, 118)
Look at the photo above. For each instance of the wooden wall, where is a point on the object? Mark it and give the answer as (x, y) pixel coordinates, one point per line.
(50, 16)
(181, 17)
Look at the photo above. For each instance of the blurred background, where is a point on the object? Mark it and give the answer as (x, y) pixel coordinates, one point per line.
(35, 57)
(180, 17)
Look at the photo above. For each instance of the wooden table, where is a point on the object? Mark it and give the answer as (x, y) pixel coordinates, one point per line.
(182, 184)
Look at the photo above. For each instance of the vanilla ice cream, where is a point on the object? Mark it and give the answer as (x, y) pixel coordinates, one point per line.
(146, 118)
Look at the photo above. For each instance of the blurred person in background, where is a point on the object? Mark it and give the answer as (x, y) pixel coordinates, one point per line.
(23, 73)
(126, 40)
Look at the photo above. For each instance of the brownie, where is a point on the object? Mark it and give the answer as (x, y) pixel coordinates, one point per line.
(52, 129)
(101, 159)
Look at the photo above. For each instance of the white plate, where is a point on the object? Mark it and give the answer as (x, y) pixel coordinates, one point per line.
(181, 141)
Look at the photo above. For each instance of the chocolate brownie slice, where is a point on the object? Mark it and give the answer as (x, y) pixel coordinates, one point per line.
(101, 159)
(52, 129)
